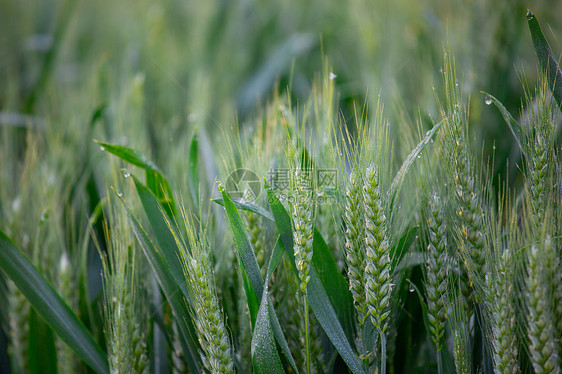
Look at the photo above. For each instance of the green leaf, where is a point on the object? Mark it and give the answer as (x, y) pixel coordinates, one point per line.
(513, 125)
(250, 266)
(245, 250)
(155, 179)
(171, 290)
(251, 297)
(333, 280)
(401, 248)
(129, 155)
(192, 169)
(317, 295)
(248, 206)
(547, 61)
(42, 350)
(162, 232)
(265, 357)
(49, 305)
(401, 175)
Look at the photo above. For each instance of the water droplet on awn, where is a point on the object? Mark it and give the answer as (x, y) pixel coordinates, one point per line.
(126, 173)
(102, 148)
(411, 289)
(488, 100)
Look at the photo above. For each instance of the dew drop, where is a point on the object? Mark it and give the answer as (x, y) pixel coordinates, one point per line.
(488, 100)
(126, 173)
(411, 289)
(119, 193)
(332, 76)
(494, 147)
(102, 148)
(44, 217)
(419, 156)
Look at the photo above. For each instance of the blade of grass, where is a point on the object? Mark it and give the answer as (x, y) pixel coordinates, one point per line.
(49, 305)
(333, 280)
(401, 248)
(246, 253)
(166, 243)
(513, 125)
(547, 61)
(248, 206)
(192, 169)
(265, 357)
(155, 179)
(401, 175)
(42, 350)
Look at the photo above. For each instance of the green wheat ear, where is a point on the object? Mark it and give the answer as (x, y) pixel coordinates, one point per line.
(541, 331)
(377, 269)
(208, 314)
(355, 243)
(436, 271)
(303, 225)
(123, 311)
(460, 330)
(500, 292)
(19, 328)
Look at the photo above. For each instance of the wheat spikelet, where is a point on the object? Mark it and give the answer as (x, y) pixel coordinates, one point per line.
(544, 355)
(19, 328)
(66, 360)
(436, 272)
(469, 212)
(355, 244)
(303, 225)
(377, 269)
(500, 295)
(208, 312)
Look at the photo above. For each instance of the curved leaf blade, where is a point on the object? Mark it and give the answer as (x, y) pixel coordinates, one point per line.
(547, 61)
(401, 175)
(250, 264)
(192, 172)
(514, 126)
(49, 305)
(155, 179)
(132, 156)
(265, 357)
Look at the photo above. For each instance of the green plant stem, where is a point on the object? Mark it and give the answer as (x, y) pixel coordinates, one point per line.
(439, 363)
(383, 352)
(306, 334)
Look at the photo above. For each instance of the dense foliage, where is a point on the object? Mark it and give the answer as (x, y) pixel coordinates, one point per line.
(280, 187)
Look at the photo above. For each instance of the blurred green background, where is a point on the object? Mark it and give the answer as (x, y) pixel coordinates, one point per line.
(162, 67)
(145, 73)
